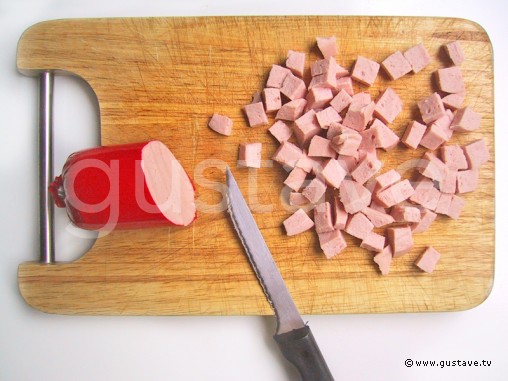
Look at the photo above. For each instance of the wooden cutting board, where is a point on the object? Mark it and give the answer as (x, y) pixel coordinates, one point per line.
(162, 78)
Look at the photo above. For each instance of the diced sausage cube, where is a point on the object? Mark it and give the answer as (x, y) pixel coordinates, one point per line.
(396, 65)
(296, 178)
(292, 110)
(347, 143)
(453, 156)
(400, 239)
(249, 155)
(466, 119)
(256, 115)
(358, 116)
(327, 46)
(432, 167)
(449, 80)
(431, 108)
(395, 193)
(281, 131)
(454, 51)
(340, 216)
(318, 97)
(456, 206)
(377, 217)
(333, 173)
(341, 101)
(405, 213)
(365, 71)
(476, 153)
(287, 154)
(427, 218)
(315, 190)
(332, 243)
(293, 87)
(277, 76)
(386, 179)
(388, 106)
(418, 57)
(443, 204)
(295, 62)
(327, 80)
(359, 226)
(367, 168)
(384, 137)
(426, 194)
(449, 182)
(328, 116)
(297, 223)
(454, 101)
(434, 137)
(346, 84)
(428, 260)
(414, 134)
(323, 66)
(306, 127)
(272, 99)
(467, 181)
(384, 260)
(321, 147)
(323, 217)
(221, 124)
(354, 196)
(373, 242)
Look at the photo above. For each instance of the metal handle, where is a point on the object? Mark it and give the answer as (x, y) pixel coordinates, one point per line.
(47, 245)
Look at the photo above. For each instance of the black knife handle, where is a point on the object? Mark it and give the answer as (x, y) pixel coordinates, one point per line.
(301, 349)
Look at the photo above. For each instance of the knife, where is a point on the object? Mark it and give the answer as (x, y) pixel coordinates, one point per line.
(293, 336)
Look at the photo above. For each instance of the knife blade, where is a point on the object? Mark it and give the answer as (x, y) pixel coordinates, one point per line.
(293, 336)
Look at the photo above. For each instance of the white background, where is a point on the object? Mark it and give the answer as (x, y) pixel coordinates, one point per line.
(38, 346)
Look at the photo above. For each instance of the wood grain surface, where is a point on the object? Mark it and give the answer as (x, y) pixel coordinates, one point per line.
(162, 78)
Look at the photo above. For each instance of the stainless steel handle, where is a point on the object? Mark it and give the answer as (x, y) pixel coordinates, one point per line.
(47, 245)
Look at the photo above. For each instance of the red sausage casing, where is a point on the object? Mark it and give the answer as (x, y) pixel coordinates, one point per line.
(124, 187)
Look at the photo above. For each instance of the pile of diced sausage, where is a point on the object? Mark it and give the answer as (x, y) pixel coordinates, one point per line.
(329, 137)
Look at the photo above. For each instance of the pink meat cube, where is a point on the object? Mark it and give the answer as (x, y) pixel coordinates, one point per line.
(347, 143)
(321, 147)
(305, 162)
(466, 120)
(443, 204)
(340, 216)
(434, 137)
(388, 106)
(384, 260)
(476, 153)
(287, 154)
(323, 217)
(281, 131)
(293, 87)
(454, 101)
(323, 66)
(277, 76)
(256, 115)
(384, 137)
(373, 242)
(428, 260)
(400, 239)
(272, 99)
(296, 178)
(449, 182)
(221, 124)
(327, 46)
(292, 110)
(295, 62)
(427, 218)
(346, 84)
(358, 116)
(467, 181)
(328, 116)
(333, 173)
(327, 80)
(362, 98)
(418, 57)
(432, 167)
(341, 101)
(336, 129)
(414, 134)
(444, 124)
(386, 179)
(354, 196)
(249, 155)
(396, 65)
(365, 169)
(359, 225)
(318, 97)
(377, 217)
(426, 194)
(365, 71)
(297, 223)
(405, 213)
(431, 108)
(332, 243)
(456, 206)
(453, 156)
(297, 199)
(395, 193)
(315, 190)
(455, 52)
(449, 80)
(306, 127)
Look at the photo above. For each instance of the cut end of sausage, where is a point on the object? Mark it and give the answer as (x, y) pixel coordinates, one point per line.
(168, 184)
